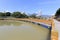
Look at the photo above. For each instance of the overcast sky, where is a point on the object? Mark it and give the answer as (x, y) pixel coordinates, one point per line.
(47, 7)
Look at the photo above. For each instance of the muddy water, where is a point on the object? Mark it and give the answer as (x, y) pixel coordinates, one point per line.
(18, 30)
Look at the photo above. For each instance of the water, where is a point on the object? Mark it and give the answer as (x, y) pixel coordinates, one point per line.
(18, 30)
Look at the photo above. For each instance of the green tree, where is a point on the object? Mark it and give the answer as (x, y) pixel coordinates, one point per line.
(33, 15)
(57, 12)
(8, 14)
(24, 15)
(17, 14)
(2, 14)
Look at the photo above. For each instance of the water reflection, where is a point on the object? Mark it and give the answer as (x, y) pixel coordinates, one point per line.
(9, 23)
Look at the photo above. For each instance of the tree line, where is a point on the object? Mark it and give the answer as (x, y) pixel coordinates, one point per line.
(24, 15)
(16, 15)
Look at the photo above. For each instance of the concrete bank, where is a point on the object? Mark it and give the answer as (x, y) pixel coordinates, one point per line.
(54, 32)
(38, 23)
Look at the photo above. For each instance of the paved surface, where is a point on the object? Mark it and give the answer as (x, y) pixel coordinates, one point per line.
(57, 27)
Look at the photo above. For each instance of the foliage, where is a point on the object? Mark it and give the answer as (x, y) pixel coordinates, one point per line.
(8, 14)
(33, 15)
(57, 12)
(17, 14)
(24, 15)
(2, 14)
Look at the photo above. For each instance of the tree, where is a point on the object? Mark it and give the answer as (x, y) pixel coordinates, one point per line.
(57, 15)
(57, 12)
(2, 14)
(33, 15)
(24, 15)
(17, 14)
(8, 14)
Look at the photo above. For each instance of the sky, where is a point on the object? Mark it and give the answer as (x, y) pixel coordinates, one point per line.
(41, 7)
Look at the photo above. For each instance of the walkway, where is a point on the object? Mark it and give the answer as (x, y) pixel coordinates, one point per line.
(57, 27)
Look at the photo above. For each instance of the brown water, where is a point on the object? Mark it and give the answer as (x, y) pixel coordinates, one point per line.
(18, 30)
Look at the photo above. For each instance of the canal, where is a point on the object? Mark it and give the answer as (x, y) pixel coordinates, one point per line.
(19, 30)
